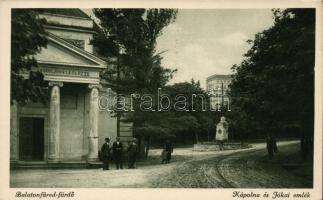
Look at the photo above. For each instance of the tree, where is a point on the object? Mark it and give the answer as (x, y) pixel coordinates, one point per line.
(130, 36)
(273, 88)
(27, 38)
(198, 107)
(189, 112)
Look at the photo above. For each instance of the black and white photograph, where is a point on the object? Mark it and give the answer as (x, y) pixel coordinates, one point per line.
(177, 98)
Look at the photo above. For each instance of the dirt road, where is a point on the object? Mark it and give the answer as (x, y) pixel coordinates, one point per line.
(189, 169)
(143, 176)
(243, 169)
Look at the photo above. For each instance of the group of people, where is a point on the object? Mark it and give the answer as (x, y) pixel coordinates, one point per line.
(116, 151)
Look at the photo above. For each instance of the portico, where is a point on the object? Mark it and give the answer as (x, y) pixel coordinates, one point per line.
(70, 127)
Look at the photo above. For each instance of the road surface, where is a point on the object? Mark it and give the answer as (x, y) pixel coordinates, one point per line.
(189, 169)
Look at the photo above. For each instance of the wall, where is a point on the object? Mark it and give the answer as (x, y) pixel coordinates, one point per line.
(76, 36)
(74, 126)
(56, 53)
(72, 117)
(107, 123)
(75, 103)
(74, 22)
(68, 20)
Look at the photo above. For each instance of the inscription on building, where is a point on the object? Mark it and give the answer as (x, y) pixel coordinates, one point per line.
(65, 72)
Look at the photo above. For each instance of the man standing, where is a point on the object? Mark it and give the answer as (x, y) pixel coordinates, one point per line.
(117, 152)
(169, 150)
(132, 154)
(275, 144)
(270, 146)
(105, 153)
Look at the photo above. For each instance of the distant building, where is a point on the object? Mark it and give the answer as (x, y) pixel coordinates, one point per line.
(218, 87)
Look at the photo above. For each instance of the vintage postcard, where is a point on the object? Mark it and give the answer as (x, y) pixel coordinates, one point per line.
(154, 100)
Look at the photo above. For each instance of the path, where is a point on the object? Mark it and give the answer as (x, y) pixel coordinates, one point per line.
(240, 169)
(176, 174)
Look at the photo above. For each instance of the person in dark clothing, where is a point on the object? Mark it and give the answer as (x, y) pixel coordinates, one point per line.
(274, 144)
(270, 146)
(305, 147)
(106, 154)
(132, 154)
(164, 156)
(169, 150)
(117, 153)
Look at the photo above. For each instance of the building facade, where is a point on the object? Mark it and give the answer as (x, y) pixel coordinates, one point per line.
(218, 87)
(71, 127)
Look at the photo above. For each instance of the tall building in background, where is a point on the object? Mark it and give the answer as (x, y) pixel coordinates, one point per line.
(217, 86)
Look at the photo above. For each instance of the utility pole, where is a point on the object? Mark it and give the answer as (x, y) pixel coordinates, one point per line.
(222, 96)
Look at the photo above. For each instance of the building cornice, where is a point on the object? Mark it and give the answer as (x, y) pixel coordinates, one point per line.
(44, 62)
(67, 16)
(55, 39)
(227, 76)
(69, 28)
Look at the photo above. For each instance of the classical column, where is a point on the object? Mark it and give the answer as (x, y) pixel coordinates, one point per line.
(54, 122)
(94, 123)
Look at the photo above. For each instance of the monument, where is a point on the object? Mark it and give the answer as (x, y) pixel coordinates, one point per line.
(221, 140)
(222, 130)
(221, 134)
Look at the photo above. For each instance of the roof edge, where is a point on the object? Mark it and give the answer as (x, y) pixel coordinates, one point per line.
(78, 51)
(220, 76)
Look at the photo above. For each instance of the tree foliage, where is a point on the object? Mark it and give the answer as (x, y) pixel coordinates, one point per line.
(130, 36)
(273, 88)
(27, 38)
(188, 113)
(187, 116)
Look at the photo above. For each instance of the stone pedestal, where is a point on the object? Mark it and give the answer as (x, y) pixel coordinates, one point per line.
(94, 123)
(214, 146)
(222, 130)
(54, 122)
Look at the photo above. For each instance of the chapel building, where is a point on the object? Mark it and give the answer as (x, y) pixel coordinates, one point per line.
(71, 128)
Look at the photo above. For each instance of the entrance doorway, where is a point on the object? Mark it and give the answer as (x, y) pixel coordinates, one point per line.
(31, 139)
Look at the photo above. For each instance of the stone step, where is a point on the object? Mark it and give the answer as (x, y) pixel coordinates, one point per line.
(95, 165)
(76, 165)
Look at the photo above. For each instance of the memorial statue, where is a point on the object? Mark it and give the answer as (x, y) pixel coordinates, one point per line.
(222, 132)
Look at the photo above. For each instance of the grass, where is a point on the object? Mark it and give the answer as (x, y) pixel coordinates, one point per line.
(290, 159)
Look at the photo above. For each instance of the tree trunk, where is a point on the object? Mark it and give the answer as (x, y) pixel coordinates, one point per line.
(196, 137)
(141, 146)
(147, 146)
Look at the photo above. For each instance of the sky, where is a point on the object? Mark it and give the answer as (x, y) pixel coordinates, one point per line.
(201, 43)
(204, 42)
